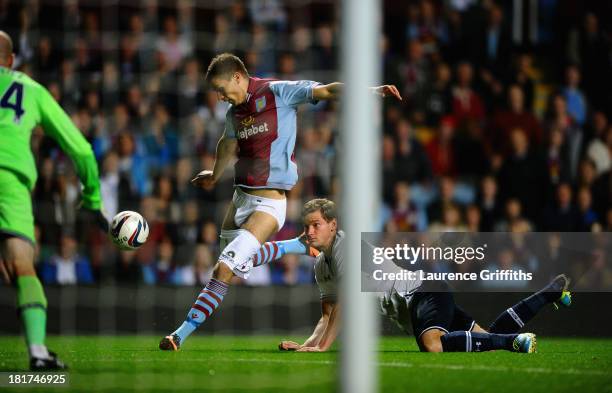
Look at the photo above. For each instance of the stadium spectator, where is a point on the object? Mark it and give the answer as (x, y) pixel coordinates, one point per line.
(576, 102)
(160, 141)
(588, 47)
(173, 45)
(133, 166)
(588, 218)
(560, 118)
(46, 60)
(127, 270)
(404, 213)
(523, 75)
(441, 149)
(488, 203)
(161, 270)
(414, 73)
(587, 174)
(436, 100)
(523, 175)
(506, 260)
(494, 44)
(411, 159)
(473, 219)
(451, 220)
(189, 89)
(515, 116)
(184, 233)
(269, 13)
(67, 266)
(598, 149)
(561, 216)
(447, 196)
(466, 103)
(513, 212)
(427, 27)
(556, 155)
(203, 266)
(389, 171)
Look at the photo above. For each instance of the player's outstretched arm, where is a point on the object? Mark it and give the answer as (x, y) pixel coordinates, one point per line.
(322, 341)
(333, 91)
(226, 149)
(323, 335)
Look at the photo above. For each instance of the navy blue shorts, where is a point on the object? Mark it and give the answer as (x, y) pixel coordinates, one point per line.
(437, 310)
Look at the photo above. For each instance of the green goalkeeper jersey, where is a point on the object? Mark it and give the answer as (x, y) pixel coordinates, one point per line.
(24, 103)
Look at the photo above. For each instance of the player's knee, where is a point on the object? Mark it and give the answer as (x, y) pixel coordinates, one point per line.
(432, 346)
(238, 253)
(24, 269)
(226, 237)
(478, 329)
(222, 272)
(431, 341)
(19, 257)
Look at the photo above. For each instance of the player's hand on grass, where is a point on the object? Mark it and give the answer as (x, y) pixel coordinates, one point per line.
(387, 90)
(204, 179)
(310, 349)
(288, 346)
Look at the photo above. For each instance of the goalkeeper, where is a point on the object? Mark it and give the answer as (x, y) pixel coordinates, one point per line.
(24, 104)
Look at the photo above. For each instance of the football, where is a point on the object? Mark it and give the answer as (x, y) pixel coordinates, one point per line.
(129, 230)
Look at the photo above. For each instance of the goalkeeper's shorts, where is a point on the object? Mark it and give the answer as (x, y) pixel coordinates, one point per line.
(16, 217)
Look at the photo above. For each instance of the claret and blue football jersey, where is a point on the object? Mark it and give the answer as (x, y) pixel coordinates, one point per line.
(265, 128)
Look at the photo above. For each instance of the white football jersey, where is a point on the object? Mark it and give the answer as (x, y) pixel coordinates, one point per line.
(329, 268)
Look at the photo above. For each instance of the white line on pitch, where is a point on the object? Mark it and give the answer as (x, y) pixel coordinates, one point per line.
(456, 367)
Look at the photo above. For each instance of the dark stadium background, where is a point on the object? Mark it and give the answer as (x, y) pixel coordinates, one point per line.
(505, 126)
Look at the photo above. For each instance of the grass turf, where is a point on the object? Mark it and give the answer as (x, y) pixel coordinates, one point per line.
(253, 364)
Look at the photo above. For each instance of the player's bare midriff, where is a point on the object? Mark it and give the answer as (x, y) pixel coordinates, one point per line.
(272, 193)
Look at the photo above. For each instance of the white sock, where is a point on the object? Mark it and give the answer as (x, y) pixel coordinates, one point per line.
(38, 351)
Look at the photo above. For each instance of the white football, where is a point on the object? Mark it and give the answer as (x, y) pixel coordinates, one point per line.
(129, 230)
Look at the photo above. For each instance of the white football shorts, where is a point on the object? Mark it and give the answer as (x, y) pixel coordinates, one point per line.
(246, 204)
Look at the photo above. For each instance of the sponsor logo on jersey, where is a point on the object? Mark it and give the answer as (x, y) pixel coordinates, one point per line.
(247, 121)
(260, 104)
(248, 132)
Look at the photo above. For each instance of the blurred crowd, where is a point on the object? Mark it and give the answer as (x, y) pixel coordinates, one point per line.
(502, 128)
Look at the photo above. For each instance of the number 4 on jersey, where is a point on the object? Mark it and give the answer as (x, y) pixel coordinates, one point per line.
(5, 102)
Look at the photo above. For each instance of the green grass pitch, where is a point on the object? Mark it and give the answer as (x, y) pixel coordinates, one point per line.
(253, 364)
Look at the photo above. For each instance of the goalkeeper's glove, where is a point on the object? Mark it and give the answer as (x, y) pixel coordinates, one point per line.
(97, 216)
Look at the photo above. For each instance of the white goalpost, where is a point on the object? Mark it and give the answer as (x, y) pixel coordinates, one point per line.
(360, 65)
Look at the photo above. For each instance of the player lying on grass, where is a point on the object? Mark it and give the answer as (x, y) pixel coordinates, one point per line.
(261, 126)
(23, 105)
(438, 323)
